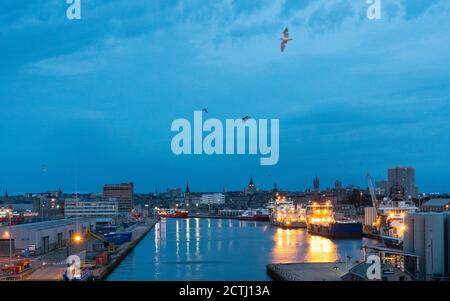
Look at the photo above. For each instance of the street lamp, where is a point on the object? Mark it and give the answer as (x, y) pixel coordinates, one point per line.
(77, 238)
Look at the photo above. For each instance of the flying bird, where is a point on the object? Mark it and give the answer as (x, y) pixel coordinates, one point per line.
(205, 110)
(244, 119)
(285, 39)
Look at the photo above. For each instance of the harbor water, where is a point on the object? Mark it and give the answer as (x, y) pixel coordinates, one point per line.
(220, 249)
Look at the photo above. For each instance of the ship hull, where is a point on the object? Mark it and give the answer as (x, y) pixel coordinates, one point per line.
(292, 225)
(246, 218)
(175, 215)
(262, 218)
(392, 242)
(336, 230)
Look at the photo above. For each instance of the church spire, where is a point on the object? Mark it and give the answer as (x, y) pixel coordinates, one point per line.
(250, 189)
(187, 191)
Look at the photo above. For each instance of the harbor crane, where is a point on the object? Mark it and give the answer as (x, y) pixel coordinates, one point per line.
(372, 190)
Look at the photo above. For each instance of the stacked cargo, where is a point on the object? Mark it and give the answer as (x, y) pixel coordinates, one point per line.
(118, 238)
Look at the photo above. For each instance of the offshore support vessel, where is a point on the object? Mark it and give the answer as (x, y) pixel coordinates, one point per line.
(391, 217)
(321, 221)
(284, 214)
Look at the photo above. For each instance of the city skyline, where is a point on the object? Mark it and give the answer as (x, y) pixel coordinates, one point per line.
(94, 101)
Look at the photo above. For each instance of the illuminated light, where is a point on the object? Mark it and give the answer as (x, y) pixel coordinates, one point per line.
(77, 238)
(6, 235)
(391, 214)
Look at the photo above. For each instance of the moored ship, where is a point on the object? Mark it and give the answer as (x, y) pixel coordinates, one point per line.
(259, 215)
(285, 214)
(247, 215)
(321, 221)
(391, 218)
(173, 213)
(262, 215)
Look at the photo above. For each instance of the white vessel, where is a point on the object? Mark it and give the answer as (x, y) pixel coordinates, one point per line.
(286, 214)
(391, 217)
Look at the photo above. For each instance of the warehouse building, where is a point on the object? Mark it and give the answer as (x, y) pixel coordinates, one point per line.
(43, 236)
(436, 205)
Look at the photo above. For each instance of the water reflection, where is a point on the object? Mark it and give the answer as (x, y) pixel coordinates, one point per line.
(286, 244)
(209, 249)
(321, 249)
(292, 244)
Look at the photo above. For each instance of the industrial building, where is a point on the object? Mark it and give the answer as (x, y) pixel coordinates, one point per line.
(436, 205)
(213, 199)
(104, 211)
(43, 236)
(123, 193)
(427, 235)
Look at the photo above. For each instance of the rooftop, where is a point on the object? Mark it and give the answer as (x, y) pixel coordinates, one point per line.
(437, 202)
(51, 224)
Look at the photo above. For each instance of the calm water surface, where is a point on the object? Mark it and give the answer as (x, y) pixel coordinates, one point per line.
(215, 249)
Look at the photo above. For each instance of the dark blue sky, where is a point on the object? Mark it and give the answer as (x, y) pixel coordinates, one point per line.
(93, 100)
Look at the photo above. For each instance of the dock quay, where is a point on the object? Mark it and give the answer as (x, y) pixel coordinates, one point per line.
(139, 233)
(51, 266)
(330, 271)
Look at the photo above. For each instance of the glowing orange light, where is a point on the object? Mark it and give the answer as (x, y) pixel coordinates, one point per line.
(77, 238)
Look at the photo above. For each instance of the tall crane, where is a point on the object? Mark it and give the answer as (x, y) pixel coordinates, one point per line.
(372, 190)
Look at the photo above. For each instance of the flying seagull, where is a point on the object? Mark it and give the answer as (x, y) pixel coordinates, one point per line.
(285, 39)
(244, 119)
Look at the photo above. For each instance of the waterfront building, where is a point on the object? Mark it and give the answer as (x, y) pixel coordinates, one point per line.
(195, 200)
(47, 206)
(404, 177)
(230, 212)
(105, 212)
(381, 188)
(43, 236)
(123, 193)
(213, 199)
(436, 205)
(237, 200)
